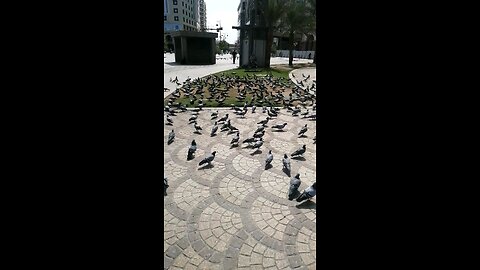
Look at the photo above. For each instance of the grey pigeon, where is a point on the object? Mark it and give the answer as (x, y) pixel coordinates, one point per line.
(269, 159)
(235, 139)
(300, 151)
(308, 193)
(191, 150)
(223, 119)
(259, 135)
(214, 115)
(279, 127)
(303, 130)
(294, 184)
(214, 129)
(259, 129)
(286, 163)
(165, 186)
(264, 122)
(226, 125)
(258, 144)
(253, 109)
(249, 140)
(197, 127)
(171, 136)
(208, 159)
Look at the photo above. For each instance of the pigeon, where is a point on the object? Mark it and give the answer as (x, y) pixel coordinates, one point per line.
(300, 151)
(214, 129)
(225, 126)
(214, 115)
(259, 129)
(169, 120)
(223, 119)
(249, 140)
(279, 127)
(253, 109)
(286, 163)
(264, 122)
(259, 135)
(208, 159)
(171, 136)
(294, 184)
(269, 159)
(165, 186)
(191, 150)
(197, 127)
(315, 139)
(193, 118)
(308, 193)
(258, 144)
(235, 139)
(303, 130)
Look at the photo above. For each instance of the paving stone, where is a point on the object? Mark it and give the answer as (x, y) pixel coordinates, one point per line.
(173, 252)
(198, 245)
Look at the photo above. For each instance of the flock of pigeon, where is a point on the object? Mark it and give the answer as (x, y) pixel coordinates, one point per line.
(216, 87)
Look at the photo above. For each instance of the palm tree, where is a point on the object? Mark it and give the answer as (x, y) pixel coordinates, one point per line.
(273, 14)
(296, 22)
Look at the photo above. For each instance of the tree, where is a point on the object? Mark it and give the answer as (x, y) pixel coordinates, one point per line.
(273, 14)
(223, 46)
(296, 22)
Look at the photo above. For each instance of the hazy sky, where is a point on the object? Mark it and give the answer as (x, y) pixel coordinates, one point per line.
(226, 12)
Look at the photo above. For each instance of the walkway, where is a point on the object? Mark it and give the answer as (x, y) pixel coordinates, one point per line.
(235, 214)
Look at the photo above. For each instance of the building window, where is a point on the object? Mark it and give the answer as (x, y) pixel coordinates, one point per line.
(175, 2)
(164, 18)
(182, 4)
(183, 12)
(175, 10)
(175, 18)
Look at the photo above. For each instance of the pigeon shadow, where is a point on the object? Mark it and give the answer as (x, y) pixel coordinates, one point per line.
(170, 142)
(213, 135)
(197, 132)
(307, 205)
(278, 130)
(168, 124)
(208, 166)
(258, 151)
(269, 166)
(299, 158)
(287, 172)
(302, 136)
(190, 158)
(233, 146)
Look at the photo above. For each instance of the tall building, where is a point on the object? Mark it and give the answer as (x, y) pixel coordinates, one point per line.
(203, 15)
(181, 15)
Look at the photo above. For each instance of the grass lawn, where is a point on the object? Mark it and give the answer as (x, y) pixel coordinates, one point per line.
(279, 71)
(282, 73)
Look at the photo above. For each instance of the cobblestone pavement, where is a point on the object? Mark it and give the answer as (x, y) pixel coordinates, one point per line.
(236, 215)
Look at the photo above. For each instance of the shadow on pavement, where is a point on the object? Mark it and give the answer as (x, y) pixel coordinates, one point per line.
(307, 205)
